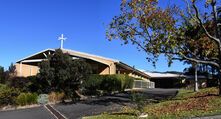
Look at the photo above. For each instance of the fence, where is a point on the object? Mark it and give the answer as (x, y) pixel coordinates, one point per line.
(143, 84)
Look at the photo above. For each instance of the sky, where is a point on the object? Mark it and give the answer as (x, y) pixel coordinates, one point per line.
(29, 26)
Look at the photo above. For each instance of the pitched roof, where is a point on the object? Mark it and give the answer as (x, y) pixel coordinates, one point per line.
(97, 58)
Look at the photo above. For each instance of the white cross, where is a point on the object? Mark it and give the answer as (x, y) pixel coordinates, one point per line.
(62, 40)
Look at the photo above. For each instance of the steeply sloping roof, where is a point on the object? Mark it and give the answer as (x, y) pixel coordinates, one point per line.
(73, 52)
(49, 49)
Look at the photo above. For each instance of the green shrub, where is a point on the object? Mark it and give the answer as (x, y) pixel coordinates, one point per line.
(129, 81)
(8, 95)
(92, 84)
(108, 83)
(21, 83)
(27, 99)
(111, 83)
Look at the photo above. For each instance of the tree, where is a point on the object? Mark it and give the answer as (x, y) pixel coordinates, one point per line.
(2, 75)
(44, 79)
(178, 34)
(10, 73)
(61, 73)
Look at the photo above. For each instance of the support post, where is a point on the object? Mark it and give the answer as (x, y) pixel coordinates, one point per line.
(20, 69)
(196, 87)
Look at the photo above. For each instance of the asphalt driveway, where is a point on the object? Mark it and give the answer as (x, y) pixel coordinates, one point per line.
(111, 103)
(92, 106)
(32, 113)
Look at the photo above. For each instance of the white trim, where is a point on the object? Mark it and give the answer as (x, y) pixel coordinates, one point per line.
(45, 55)
(20, 70)
(34, 60)
(35, 54)
(74, 58)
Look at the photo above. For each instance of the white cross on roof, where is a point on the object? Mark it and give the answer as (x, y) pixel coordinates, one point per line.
(62, 39)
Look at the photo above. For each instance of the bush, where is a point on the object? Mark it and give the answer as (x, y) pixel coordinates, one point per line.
(111, 83)
(92, 84)
(56, 97)
(21, 83)
(8, 95)
(38, 85)
(108, 83)
(27, 99)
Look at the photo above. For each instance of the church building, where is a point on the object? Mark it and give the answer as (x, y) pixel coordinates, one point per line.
(28, 66)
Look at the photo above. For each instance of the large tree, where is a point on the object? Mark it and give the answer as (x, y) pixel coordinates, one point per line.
(61, 73)
(179, 34)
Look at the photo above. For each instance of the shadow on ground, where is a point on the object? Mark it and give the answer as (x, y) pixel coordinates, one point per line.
(111, 103)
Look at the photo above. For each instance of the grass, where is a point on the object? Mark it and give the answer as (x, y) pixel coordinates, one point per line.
(186, 104)
(106, 116)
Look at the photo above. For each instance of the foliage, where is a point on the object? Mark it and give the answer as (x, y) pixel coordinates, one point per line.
(146, 25)
(8, 95)
(2, 75)
(56, 97)
(179, 34)
(26, 99)
(111, 83)
(35, 85)
(45, 77)
(92, 84)
(139, 100)
(10, 73)
(62, 74)
(108, 83)
(21, 83)
(106, 116)
(28, 84)
(155, 30)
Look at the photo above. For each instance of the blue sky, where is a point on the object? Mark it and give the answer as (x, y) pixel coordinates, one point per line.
(29, 26)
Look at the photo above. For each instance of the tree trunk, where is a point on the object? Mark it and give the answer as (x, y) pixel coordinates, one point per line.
(196, 89)
(219, 80)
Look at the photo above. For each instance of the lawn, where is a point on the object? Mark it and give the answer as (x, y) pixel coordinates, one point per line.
(185, 105)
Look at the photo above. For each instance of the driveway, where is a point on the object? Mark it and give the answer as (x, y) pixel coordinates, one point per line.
(111, 103)
(92, 106)
(33, 113)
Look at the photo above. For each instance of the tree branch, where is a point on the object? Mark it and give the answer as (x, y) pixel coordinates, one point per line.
(204, 28)
(200, 61)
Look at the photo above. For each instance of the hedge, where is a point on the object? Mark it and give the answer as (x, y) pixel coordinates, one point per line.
(108, 83)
